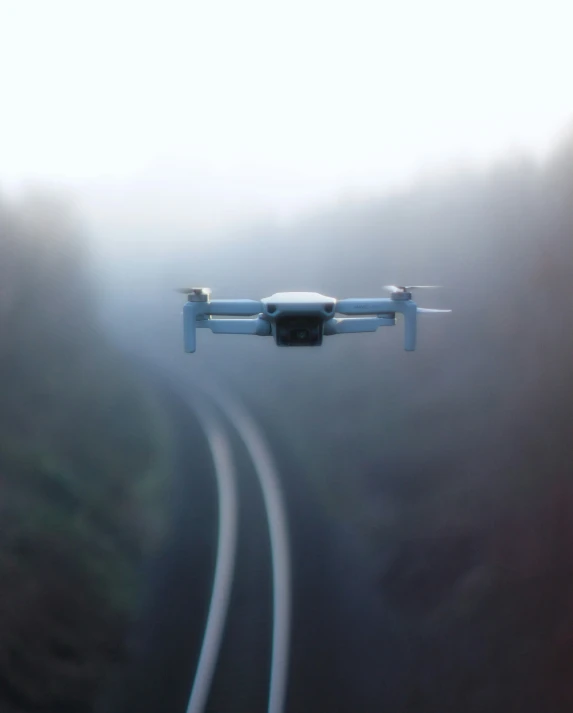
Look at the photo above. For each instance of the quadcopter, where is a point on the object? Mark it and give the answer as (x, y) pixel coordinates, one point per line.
(300, 319)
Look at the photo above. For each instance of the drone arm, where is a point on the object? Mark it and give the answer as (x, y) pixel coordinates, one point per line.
(375, 305)
(353, 325)
(381, 306)
(233, 308)
(256, 325)
(195, 314)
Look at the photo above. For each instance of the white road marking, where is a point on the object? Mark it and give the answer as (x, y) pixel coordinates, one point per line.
(269, 480)
(225, 565)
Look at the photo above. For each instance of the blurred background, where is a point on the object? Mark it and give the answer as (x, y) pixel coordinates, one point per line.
(258, 147)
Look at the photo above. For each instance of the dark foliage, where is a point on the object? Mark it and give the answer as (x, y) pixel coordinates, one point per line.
(79, 458)
(454, 463)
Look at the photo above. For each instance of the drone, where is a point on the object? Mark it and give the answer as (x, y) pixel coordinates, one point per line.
(300, 319)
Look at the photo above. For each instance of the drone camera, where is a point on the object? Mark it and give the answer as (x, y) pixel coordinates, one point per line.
(299, 331)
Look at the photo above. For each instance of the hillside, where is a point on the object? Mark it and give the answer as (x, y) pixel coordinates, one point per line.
(453, 465)
(84, 457)
(455, 462)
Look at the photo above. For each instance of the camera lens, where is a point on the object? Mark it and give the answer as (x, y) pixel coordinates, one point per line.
(295, 331)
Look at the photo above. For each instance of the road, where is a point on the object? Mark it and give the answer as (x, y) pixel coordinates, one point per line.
(237, 617)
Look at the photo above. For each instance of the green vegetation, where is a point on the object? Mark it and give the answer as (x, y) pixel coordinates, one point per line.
(84, 461)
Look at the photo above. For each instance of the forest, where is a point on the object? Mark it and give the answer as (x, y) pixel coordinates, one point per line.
(451, 466)
(85, 459)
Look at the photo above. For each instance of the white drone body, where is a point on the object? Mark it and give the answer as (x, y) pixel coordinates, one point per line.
(299, 319)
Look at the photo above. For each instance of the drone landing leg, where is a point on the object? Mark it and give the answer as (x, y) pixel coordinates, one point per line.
(190, 311)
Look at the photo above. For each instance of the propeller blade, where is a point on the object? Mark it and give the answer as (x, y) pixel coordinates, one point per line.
(425, 310)
(191, 290)
(408, 288)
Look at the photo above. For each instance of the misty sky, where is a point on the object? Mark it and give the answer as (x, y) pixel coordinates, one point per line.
(275, 106)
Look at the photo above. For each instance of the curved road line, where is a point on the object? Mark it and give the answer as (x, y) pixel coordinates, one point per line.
(225, 565)
(269, 480)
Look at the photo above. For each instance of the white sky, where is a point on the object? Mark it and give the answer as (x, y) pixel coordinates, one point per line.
(275, 105)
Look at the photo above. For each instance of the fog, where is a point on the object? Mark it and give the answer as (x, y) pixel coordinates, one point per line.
(272, 108)
(446, 472)
(178, 124)
(331, 147)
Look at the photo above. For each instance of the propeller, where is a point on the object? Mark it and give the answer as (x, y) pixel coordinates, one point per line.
(408, 288)
(426, 310)
(405, 290)
(192, 290)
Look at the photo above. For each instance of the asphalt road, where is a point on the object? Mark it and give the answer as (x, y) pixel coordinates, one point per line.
(169, 636)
